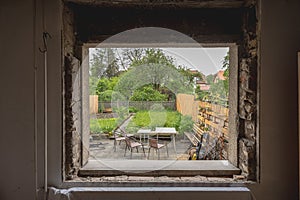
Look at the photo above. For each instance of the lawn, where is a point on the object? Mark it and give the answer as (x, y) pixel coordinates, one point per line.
(151, 119)
(103, 125)
(144, 119)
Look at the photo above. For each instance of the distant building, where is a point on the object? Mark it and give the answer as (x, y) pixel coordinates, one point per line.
(203, 85)
(219, 76)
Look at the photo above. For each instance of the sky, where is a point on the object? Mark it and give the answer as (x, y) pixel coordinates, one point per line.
(206, 60)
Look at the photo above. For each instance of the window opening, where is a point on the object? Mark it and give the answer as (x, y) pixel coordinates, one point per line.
(192, 104)
(241, 105)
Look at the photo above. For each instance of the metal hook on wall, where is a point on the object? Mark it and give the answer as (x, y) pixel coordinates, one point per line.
(46, 36)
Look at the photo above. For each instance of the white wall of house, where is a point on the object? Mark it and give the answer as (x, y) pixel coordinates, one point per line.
(280, 41)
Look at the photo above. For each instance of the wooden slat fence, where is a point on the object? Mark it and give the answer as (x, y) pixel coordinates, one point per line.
(187, 105)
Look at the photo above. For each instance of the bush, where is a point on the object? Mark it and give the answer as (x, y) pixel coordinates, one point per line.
(102, 125)
(133, 110)
(147, 93)
(173, 119)
(105, 96)
(186, 124)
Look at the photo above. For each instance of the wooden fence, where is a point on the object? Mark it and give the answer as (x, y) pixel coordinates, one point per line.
(214, 119)
(93, 104)
(186, 105)
(219, 109)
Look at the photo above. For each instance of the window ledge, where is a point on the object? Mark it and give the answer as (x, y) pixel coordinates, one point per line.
(154, 168)
(234, 193)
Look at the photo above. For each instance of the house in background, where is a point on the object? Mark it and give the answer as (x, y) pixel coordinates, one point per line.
(219, 76)
(203, 85)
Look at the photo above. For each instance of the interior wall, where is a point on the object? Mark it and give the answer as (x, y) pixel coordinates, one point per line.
(17, 100)
(280, 42)
(279, 156)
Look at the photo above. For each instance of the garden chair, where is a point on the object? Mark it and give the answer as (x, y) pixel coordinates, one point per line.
(119, 136)
(153, 143)
(131, 144)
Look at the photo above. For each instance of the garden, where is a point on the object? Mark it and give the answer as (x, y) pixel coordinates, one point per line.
(144, 119)
(138, 90)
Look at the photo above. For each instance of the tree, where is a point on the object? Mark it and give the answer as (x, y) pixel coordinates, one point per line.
(155, 69)
(105, 96)
(157, 62)
(93, 85)
(147, 93)
(219, 90)
(201, 94)
(105, 84)
(129, 56)
(226, 72)
(104, 63)
(190, 75)
(210, 79)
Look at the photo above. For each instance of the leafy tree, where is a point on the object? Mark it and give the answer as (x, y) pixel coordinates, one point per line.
(210, 79)
(226, 72)
(190, 75)
(105, 96)
(102, 85)
(219, 90)
(201, 94)
(157, 62)
(168, 80)
(93, 85)
(219, 94)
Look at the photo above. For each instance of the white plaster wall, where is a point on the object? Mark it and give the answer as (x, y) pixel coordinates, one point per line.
(280, 41)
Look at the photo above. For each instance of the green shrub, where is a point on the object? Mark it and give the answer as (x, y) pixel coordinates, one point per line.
(173, 119)
(132, 110)
(102, 125)
(186, 124)
(148, 93)
(105, 96)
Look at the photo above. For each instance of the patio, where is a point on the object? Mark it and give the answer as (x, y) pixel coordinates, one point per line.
(103, 161)
(103, 149)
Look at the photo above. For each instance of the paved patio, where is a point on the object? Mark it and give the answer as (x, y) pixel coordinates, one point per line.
(104, 149)
(104, 161)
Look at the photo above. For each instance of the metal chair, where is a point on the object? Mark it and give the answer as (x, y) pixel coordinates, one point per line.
(131, 144)
(153, 143)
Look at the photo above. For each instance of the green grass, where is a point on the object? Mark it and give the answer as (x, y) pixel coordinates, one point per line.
(102, 125)
(146, 119)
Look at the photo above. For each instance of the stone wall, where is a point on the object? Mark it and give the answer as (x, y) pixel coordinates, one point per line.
(248, 96)
(73, 121)
(72, 101)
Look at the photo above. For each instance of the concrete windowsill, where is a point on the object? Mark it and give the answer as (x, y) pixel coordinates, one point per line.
(232, 193)
(210, 168)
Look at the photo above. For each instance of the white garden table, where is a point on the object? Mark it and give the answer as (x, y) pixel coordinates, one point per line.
(159, 131)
